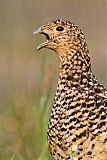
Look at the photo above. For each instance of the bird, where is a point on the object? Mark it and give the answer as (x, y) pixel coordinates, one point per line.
(77, 128)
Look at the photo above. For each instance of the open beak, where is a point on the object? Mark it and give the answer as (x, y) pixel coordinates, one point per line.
(44, 44)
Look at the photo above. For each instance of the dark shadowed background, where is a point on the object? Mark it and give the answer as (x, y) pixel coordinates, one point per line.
(28, 78)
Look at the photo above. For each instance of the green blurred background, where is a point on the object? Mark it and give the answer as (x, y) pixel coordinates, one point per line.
(28, 78)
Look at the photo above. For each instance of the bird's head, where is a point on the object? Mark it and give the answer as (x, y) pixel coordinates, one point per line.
(62, 36)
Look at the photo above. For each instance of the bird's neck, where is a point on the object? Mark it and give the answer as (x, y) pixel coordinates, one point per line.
(75, 66)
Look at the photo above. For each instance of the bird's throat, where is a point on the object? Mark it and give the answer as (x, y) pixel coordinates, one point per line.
(76, 64)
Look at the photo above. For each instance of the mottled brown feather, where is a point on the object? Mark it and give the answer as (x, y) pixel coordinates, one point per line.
(78, 123)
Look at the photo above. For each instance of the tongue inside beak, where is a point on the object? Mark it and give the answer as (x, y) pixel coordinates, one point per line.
(44, 44)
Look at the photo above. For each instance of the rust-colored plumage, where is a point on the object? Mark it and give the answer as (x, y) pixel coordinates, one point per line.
(77, 127)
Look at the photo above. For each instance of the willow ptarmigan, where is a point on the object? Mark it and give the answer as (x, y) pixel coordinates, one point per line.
(77, 127)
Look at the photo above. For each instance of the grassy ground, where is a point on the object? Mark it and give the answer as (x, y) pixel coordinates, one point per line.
(24, 111)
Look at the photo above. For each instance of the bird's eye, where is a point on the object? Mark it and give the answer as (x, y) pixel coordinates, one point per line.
(59, 28)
